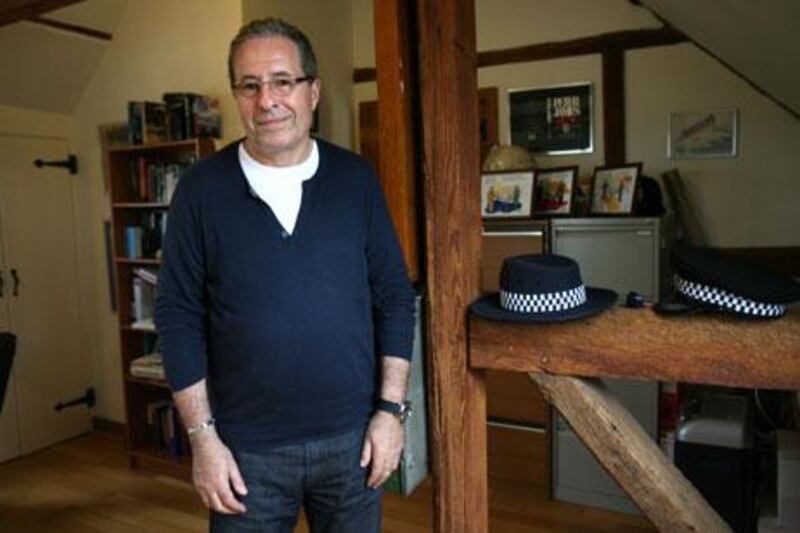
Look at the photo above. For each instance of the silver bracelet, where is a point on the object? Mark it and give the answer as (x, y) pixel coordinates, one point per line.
(201, 426)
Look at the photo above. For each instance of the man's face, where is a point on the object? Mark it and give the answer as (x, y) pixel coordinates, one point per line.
(277, 127)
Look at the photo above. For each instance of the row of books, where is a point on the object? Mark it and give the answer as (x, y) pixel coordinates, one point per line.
(144, 239)
(155, 181)
(179, 116)
(164, 427)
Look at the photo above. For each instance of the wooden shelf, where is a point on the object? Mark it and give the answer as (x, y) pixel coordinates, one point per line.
(138, 260)
(153, 382)
(125, 167)
(640, 344)
(140, 205)
(183, 144)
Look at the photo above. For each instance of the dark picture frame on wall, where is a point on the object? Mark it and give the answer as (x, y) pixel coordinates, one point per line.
(614, 189)
(552, 120)
(507, 194)
(554, 191)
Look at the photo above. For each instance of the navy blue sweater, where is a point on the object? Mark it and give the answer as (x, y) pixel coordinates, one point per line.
(286, 328)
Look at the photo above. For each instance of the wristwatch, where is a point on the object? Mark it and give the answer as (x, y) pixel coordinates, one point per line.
(400, 410)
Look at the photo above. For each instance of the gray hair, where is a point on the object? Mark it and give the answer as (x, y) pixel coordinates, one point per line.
(274, 27)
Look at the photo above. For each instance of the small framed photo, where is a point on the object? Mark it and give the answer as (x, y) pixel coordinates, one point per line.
(703, 134)
(554, 191)
(507, 194)
(613, 189)
(552, 120)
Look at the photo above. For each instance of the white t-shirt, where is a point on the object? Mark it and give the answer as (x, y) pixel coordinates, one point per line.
(281, 188)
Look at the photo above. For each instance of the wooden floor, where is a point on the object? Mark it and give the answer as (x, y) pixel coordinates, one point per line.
(85, 485)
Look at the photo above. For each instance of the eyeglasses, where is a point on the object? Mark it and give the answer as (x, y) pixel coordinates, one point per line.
(281, 87)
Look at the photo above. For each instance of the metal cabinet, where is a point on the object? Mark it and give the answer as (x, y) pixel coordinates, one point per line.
(414, 460)
(623, 254)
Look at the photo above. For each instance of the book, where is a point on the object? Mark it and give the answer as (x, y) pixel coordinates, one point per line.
(147, 122)
(143, 300)
(146, 274)
(148, 366)
(207, 117)
(179, 111)
(191, 115)
(133, 242)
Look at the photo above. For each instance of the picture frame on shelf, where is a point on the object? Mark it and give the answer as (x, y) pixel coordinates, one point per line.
(507, 194)
(554, 191)
(706, 134)
(614, 189)
(553, 120)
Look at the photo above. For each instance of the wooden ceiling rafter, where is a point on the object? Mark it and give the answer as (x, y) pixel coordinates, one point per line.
(596, 44)
(72, 28)
(16, 10)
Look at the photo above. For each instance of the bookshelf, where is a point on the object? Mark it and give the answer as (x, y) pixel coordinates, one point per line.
(142, 179)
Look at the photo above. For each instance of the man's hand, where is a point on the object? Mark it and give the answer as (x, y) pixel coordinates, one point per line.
(214, 472)
(382, 447)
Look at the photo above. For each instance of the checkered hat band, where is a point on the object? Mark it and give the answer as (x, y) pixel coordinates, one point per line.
(726, 300)
(543, 303)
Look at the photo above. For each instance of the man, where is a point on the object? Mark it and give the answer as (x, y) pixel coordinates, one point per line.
(284, 310)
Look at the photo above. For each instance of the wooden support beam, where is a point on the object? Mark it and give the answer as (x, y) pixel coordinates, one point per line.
(614, 107)
(396, 148)
(72, 28)
(596, 44)
(449, 97)
(15, 10)
(630, 455)
(639, 344)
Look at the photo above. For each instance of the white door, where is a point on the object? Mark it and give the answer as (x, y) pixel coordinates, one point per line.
(9, 431)
(42, 292)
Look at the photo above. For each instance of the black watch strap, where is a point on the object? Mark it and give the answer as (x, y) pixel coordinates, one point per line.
(401, 410)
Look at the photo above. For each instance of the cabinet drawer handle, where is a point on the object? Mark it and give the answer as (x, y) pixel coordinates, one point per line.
(15, 278)
(2, 283)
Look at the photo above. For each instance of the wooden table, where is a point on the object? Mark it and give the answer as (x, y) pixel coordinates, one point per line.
(565, 359)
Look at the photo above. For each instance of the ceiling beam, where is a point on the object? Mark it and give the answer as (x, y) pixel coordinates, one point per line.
(72, 28)
(595, 44)
(15, 10)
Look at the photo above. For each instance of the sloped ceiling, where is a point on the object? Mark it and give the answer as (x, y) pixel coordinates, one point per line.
(46, 68)
(759, 40)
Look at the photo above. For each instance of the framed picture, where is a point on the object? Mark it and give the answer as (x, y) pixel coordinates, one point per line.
(507, 194)
(703, 134)
(613, 189)
(554, 191)
(552, 120)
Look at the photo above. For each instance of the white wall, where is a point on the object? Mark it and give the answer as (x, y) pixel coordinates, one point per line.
(747, 201)
(22, 122)
(328, 26)
(158, 46)
(743, 202)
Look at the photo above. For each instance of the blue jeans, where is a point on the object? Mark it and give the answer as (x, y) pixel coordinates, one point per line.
(324, 476)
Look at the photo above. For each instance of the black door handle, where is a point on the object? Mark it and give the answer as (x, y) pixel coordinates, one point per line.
(2, 283)
(15, 278)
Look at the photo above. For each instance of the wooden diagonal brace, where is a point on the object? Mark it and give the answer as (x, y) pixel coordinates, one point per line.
(668, 499)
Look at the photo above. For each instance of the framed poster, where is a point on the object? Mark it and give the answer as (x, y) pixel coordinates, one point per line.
(613, 189)
(554, 191)
(553, 120)
(703, 134)
(507, 194)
